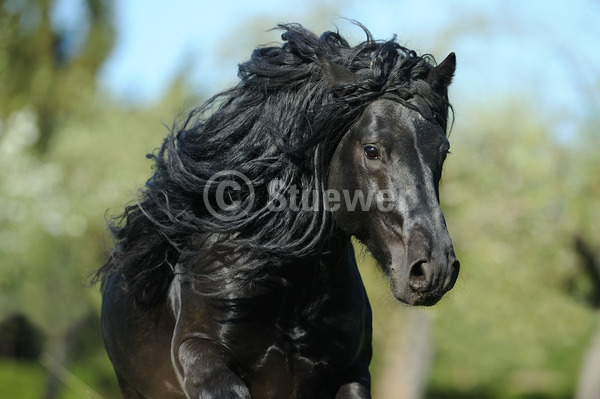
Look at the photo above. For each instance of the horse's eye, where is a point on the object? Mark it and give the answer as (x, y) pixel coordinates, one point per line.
(371, 152)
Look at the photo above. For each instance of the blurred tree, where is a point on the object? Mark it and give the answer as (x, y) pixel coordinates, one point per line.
(590, 269)
(46, 67)
(19, 338)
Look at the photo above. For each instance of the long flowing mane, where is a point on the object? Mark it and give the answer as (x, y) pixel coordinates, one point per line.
(281, 122)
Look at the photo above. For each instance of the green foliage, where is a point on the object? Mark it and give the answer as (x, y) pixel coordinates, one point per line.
(39, 68)
(52, 221)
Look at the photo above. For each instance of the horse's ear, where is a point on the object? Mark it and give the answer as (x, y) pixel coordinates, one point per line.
(440, 77)
(336, 75)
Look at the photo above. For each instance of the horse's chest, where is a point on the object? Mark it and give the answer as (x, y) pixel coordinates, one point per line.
(303, 340)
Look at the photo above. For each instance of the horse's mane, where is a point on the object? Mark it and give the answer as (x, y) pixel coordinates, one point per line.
(282, 122)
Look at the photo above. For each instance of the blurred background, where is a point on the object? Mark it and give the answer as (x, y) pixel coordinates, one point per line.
(86, 87)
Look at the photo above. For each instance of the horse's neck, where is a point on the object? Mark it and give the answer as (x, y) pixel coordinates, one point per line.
(322, 268)
(337, 255)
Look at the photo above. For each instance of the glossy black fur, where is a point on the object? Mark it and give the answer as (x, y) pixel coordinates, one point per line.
(271, 304)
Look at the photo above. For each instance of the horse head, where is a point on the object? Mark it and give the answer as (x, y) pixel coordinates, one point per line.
(392, 159)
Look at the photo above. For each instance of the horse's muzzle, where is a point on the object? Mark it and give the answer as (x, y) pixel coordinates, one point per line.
(425, 282)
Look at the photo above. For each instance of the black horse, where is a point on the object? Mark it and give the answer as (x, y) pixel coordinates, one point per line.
(234, 276)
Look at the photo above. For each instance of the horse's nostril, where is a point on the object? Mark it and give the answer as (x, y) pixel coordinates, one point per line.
(418, 276)
(417, 270)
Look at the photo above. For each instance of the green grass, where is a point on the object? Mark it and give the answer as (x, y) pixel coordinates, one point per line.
(21, 379)
(91, 377)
